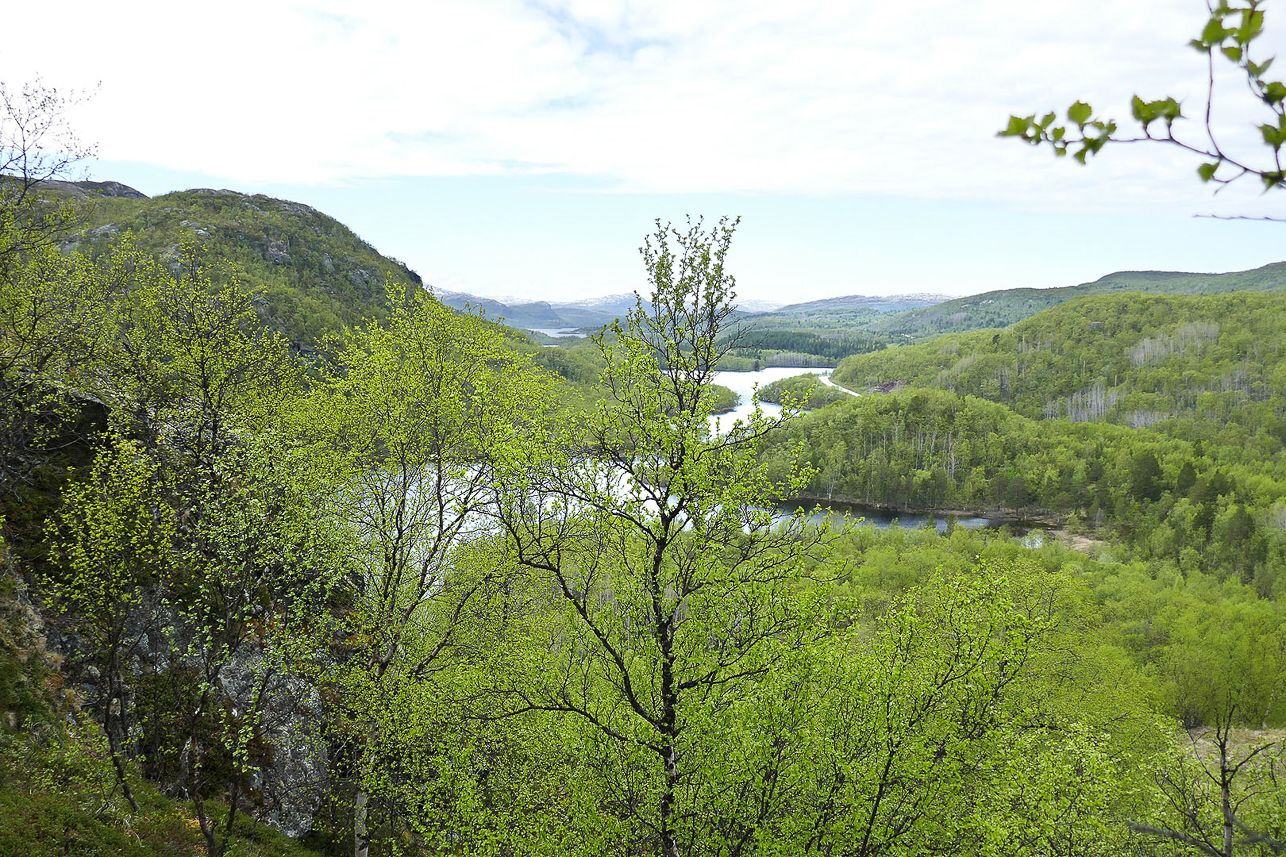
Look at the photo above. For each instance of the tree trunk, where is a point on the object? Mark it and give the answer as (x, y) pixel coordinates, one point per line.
(361, 836)
(213, 847)
(113, 727)
(362, 800)
(234, 794)
(1226, 773)
(669, 715)
(190, 777)
(114, 744)
(669, 843)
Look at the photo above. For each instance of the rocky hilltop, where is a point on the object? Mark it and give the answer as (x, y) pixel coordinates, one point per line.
(314, 274)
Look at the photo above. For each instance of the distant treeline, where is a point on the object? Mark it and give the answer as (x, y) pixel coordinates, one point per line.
(755, 349)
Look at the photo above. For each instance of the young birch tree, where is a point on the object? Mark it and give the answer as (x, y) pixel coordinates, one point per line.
(195, 376)
(51, 305)
(673, 592)
(112, 542)
(412, 410)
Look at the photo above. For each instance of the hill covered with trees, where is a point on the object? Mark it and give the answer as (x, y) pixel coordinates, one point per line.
(1131, 359)
(821, 333)
(1154, 421)
(1009, 306)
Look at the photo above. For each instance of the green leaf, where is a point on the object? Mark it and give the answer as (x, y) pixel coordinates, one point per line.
(1017, 127)
(1080, 113)
(1140, 109)
(1147, 111)
(1258, 69)
(1252, 25)
(1214, 32)
(1275, 92)
(1232, 53)
(1207, 171)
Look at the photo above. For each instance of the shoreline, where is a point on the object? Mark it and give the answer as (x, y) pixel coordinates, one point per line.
(1043, 519)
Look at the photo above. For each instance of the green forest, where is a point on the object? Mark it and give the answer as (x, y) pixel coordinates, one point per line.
(297, 560)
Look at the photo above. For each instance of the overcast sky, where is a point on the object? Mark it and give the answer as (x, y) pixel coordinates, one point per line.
(511, 148)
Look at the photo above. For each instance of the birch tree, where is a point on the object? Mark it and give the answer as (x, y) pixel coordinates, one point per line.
(674, 593)
(411, 411)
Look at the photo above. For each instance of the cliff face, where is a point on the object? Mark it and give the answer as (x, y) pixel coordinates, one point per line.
(292, 781)
(30, 681)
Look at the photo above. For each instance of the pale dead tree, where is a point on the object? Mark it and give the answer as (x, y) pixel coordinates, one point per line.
(51, 306)
(1215, 799)
(37, 144)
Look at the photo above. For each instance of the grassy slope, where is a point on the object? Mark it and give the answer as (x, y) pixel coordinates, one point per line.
(50, 811)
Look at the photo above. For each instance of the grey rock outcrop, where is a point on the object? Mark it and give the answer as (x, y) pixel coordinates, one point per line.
(292, 781)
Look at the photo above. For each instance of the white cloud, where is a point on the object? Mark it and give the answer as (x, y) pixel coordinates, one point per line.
(745, 95)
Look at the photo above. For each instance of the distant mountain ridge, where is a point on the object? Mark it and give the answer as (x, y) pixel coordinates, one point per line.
(1004, 307)
(885, 303)
(908, 316)
(540, 315)
(595, 312)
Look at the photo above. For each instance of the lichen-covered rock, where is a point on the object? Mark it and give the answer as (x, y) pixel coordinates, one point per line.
(276, 253)
(291, 781)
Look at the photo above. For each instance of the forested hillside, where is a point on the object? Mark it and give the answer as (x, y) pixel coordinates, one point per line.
(1213, 363)
(820, 333)
(1212, 505)
(1002, 308)
(1157, 422)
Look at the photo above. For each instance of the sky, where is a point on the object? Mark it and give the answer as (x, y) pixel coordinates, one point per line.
(524, 149)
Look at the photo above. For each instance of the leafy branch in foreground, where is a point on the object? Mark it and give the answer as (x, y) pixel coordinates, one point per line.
(1231, 32)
